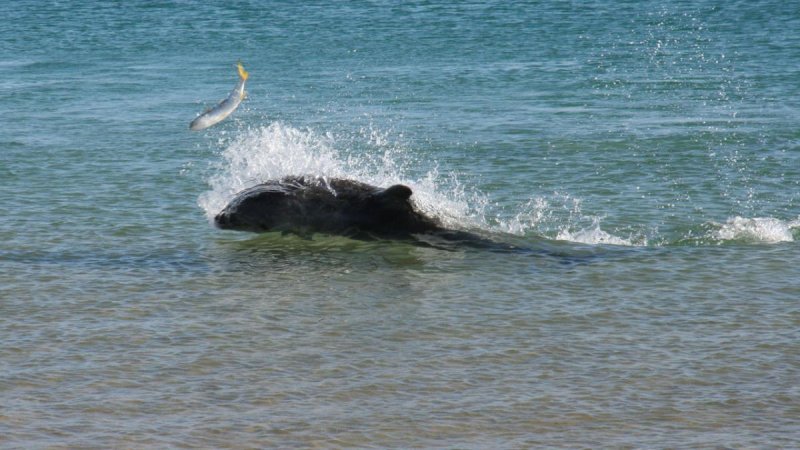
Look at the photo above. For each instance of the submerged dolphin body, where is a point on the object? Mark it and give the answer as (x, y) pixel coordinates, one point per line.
(225, 107)
(305, 205)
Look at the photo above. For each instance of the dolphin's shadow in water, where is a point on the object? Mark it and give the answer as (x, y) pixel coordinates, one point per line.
(563, 252)
(322, 247)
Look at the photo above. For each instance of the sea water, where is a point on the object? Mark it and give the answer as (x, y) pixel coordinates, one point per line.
(638, 163)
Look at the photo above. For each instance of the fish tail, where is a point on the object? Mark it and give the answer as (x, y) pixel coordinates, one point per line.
(242, 73)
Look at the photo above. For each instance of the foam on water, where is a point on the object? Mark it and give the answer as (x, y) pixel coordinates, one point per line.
(766, 230)
(593, 236)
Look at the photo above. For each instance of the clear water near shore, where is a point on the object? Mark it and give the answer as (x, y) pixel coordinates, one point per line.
(641, 158)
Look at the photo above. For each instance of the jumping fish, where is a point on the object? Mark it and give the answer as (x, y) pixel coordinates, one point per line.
(225, 108)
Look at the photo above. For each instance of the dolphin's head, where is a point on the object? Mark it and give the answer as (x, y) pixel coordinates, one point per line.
(258, 209)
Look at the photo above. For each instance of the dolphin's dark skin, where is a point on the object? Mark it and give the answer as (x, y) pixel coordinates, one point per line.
(307, 205)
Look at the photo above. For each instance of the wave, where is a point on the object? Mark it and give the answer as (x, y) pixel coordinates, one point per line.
(762, 230)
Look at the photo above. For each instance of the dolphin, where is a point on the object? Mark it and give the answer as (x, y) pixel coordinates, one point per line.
(305, 205)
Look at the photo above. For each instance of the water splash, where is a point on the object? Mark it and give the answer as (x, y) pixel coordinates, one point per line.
(561, 217)
(258, 154)
(254, 155)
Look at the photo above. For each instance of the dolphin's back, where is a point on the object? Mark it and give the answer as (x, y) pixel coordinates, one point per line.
(306, 205)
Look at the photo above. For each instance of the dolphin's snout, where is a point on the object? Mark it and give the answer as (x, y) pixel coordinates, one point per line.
(223, 220)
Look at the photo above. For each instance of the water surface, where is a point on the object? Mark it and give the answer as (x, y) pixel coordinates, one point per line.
(642, 158)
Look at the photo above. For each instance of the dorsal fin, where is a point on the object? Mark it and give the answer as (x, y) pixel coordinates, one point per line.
(398, 191)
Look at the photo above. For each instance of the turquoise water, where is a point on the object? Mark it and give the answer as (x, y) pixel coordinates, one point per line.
(642, 157)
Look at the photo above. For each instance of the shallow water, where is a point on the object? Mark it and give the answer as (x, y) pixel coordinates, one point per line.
(636, 163)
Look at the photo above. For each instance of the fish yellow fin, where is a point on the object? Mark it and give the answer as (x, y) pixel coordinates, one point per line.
(242, 73)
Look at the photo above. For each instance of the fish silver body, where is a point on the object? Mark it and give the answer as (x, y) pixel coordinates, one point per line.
(225, 107)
